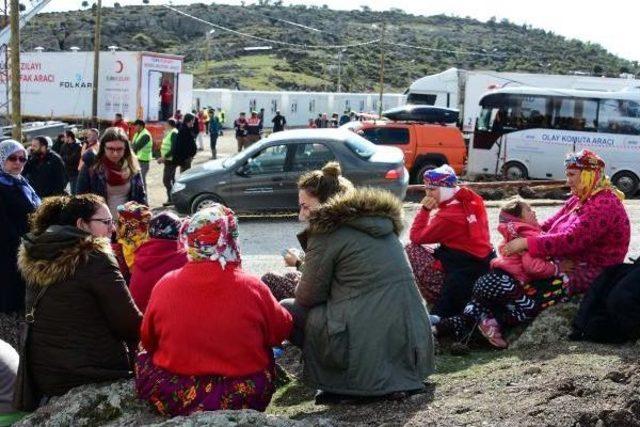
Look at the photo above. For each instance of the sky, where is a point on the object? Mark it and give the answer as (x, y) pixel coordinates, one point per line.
(612, 24)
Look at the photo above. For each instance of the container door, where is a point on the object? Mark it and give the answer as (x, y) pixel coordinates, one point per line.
(153, 91)
(184, 92)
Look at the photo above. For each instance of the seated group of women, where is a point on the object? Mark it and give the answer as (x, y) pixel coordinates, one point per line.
(195, 329)
(537, 265)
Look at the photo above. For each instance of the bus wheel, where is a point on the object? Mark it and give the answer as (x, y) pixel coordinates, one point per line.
(627, 182)
(514, 171)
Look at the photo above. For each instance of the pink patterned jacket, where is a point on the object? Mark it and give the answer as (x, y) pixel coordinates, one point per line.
(593, 235)
(523, 267)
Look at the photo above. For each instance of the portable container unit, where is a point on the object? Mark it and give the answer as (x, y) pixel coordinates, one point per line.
(60, 84)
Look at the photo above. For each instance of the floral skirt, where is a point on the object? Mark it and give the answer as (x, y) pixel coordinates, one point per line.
(427, 271)
(174, 395)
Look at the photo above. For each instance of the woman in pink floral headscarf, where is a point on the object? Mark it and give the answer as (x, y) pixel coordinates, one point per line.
(209, 327)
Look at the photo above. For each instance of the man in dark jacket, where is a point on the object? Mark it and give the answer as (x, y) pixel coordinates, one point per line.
(186, 147)
(279, 122)
(70, 153)
(45, 170)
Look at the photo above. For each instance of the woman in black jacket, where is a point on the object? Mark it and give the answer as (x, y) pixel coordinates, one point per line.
(17, 201)
(84, 313)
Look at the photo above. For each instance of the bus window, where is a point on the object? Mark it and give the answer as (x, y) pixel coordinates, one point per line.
(619, 116)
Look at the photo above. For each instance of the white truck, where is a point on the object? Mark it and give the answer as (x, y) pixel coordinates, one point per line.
(60, 84)
(462, 89)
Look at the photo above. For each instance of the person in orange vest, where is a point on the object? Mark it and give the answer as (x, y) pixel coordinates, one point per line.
(120, 123)
(253, 129)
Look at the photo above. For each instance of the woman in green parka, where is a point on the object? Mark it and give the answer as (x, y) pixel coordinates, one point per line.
(359, 317)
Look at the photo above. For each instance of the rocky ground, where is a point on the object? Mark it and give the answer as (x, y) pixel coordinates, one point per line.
(542, 380)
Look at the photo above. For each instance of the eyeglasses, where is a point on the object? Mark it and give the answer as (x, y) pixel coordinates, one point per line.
(20, 159)
(114, 149)
(105, 221)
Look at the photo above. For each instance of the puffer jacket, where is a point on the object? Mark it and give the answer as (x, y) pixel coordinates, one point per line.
(367, 331)
(523, 267)
(84, 318)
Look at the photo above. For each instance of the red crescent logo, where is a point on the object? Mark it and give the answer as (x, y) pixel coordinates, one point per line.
(119, 67)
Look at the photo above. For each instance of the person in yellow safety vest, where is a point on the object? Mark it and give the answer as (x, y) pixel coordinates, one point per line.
(205, 119)
(221, 117)
(142, 143)
(166, 157)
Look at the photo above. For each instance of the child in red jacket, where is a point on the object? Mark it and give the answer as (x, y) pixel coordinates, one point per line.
(517, 219)
(506, 291)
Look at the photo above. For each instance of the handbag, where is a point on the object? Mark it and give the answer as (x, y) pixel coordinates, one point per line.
(25, 396)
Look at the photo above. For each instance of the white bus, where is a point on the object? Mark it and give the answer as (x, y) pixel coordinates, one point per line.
(525, 132)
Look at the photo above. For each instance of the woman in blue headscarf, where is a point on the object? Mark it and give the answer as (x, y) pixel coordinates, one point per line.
(17, 201)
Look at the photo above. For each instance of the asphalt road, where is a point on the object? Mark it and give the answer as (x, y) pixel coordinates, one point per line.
(262, 239)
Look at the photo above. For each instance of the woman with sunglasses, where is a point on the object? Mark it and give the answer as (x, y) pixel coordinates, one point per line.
(115, 174)
(17, 201)
(83, 311)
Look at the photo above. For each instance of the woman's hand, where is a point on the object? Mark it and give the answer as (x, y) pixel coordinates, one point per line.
(515, 246)
(429, 203)
(291, 259)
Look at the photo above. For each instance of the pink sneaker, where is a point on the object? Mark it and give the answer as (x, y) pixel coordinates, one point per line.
(490, 329)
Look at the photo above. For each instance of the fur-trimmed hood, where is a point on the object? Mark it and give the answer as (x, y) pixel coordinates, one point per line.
(373, 211)
(54, 255)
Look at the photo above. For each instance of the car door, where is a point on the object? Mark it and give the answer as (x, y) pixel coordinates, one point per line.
(259, 183)
(308, 156)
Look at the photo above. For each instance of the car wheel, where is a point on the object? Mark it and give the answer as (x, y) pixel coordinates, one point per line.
(204, 201)
(627, 182)
(423, 168)
(514, 171)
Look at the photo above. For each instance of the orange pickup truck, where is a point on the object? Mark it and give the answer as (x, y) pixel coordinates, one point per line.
(425, 146)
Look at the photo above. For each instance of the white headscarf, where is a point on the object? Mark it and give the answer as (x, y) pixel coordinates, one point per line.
(8, 148)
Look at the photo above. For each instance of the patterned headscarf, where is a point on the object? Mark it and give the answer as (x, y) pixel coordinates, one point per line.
(592, 176)
(212, 235)
(133, 228)
(165, 225)
(443, 176)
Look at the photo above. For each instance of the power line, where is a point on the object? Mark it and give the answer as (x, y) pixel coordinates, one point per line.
(286, 21)
(458, 52)
(278, 42)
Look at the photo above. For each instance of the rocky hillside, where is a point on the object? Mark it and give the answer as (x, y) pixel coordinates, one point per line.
(446, 42)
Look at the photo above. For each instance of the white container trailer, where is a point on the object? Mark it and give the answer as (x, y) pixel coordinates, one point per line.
(60, 84)
(297, 107)
(461, 89)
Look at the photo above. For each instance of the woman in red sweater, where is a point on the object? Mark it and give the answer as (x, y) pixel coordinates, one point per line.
(156, 257)
(209, 327)
(456, 219)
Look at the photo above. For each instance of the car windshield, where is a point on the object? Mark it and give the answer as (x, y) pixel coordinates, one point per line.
(360, 146)
(230, 161)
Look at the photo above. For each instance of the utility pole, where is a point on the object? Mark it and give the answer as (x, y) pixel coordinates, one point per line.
(206, 54)
(381, 68)
(96, 64)
(16, 116)
(339, 70)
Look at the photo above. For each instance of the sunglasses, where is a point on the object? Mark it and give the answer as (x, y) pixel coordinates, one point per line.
(15, 158)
